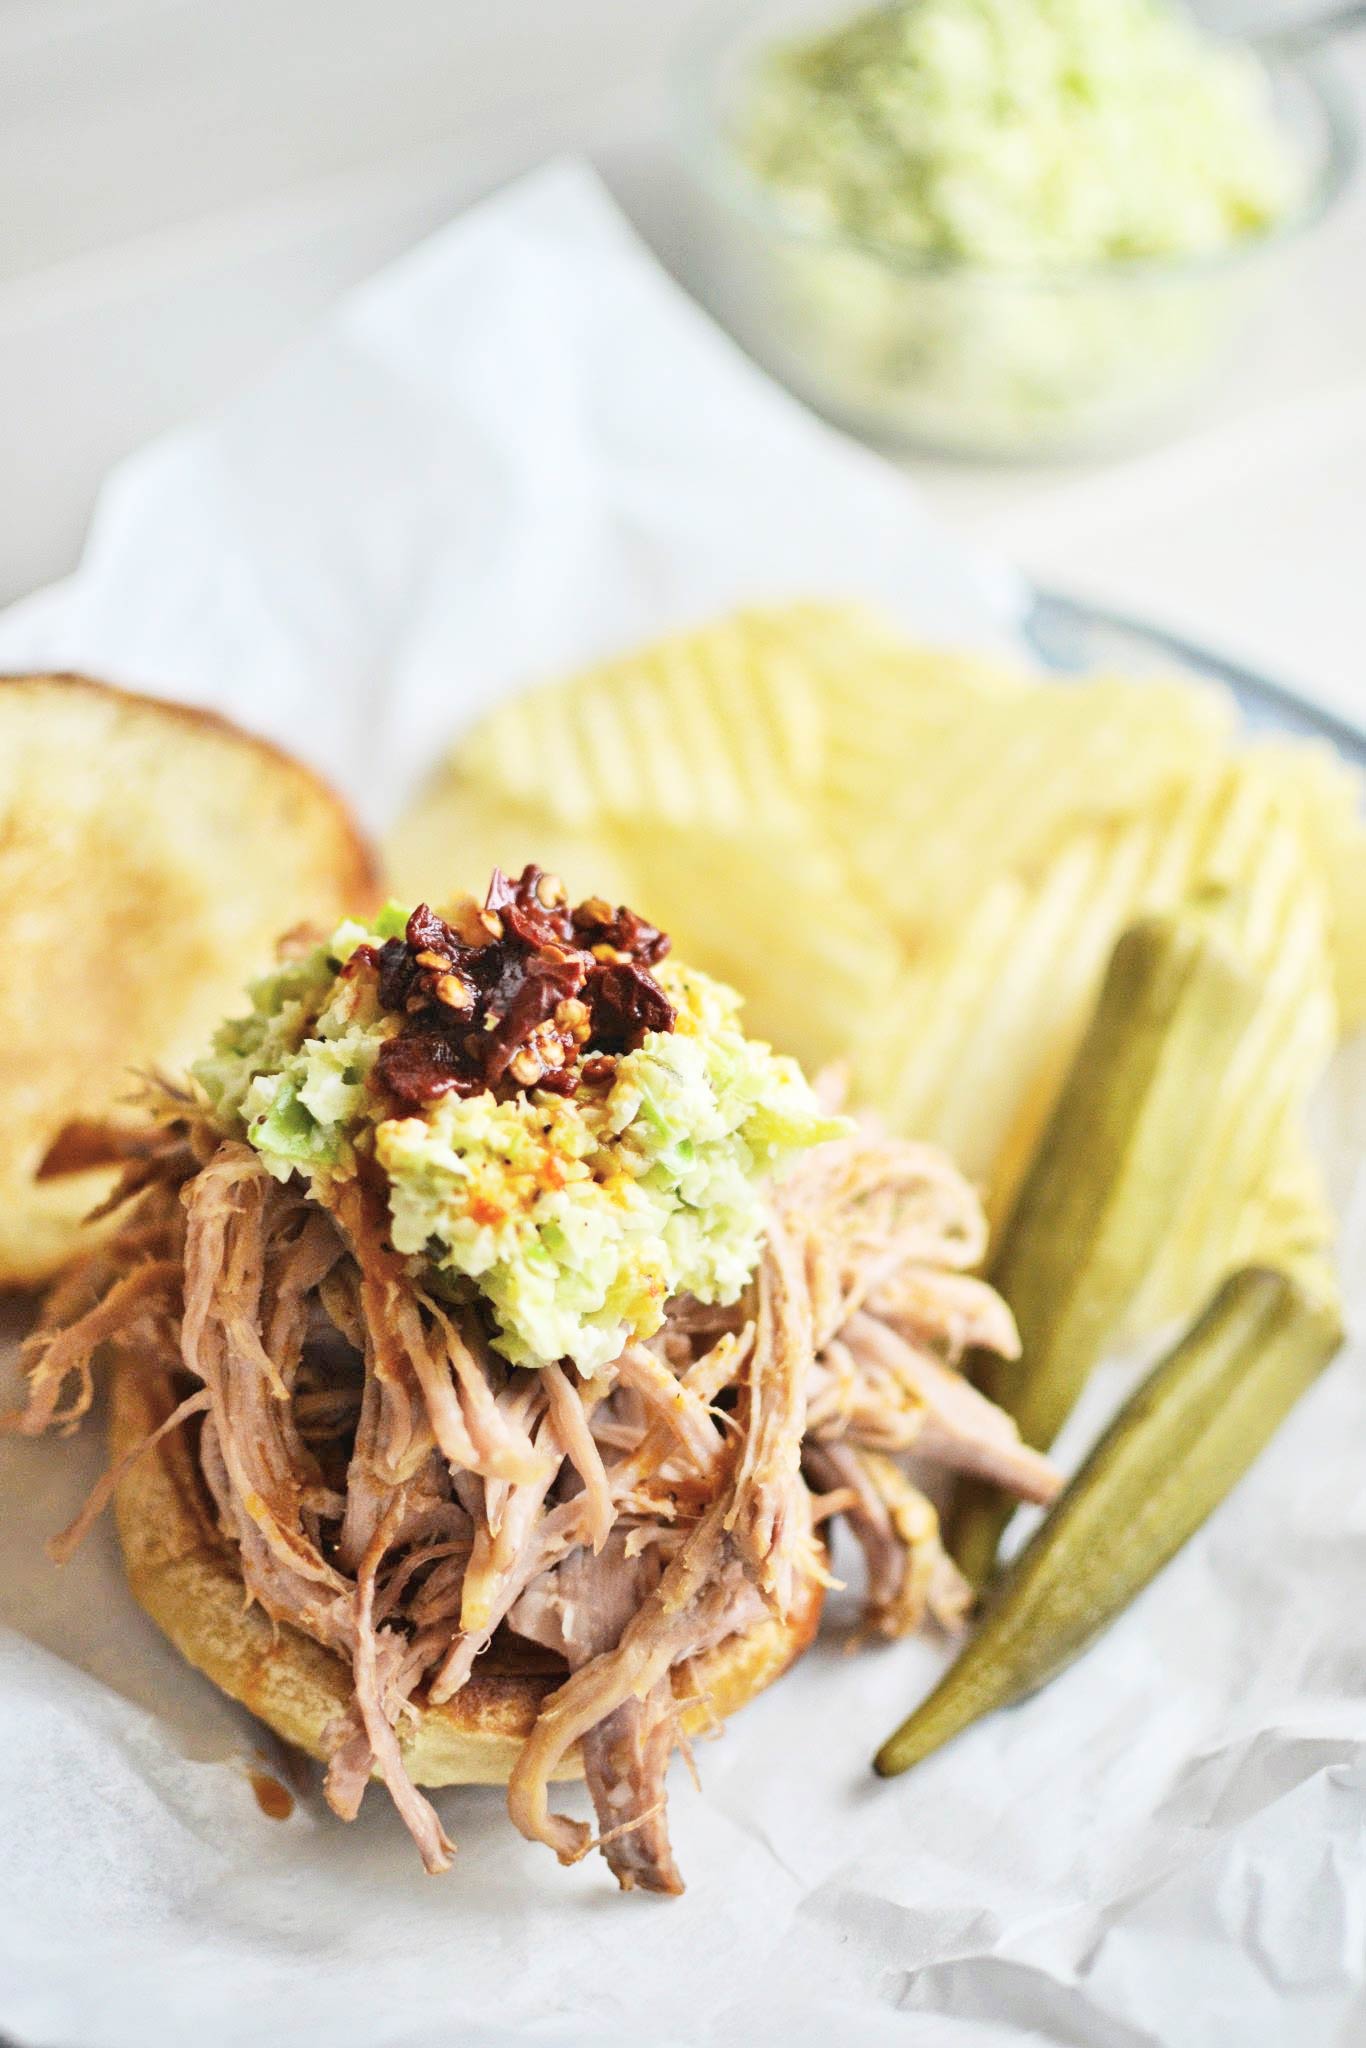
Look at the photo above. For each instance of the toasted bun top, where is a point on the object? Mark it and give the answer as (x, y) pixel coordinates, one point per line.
(149, 857)
(186, 1578)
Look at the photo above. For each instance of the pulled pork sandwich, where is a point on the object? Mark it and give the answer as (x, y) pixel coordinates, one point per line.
(506, 1323)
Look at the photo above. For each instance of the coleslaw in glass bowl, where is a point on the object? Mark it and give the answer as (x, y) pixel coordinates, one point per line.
(903, 228)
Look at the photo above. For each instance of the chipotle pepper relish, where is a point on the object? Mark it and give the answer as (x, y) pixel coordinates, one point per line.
(523, 993)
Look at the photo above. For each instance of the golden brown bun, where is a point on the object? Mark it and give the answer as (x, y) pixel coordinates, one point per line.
(150, 855)
(185, 1577)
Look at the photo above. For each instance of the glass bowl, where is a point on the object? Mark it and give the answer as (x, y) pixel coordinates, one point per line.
(946, 355)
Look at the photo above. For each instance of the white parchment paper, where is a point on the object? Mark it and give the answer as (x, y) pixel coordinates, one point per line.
(518, 448)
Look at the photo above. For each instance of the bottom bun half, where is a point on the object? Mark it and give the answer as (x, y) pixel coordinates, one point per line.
(187, 1579)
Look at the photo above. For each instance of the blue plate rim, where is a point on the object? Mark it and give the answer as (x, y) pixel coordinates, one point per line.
(1053, 612)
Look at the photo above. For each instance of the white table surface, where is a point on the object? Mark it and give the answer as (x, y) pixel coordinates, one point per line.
(185, 183)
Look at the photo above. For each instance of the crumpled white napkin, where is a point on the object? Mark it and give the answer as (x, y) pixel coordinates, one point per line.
(520, 447)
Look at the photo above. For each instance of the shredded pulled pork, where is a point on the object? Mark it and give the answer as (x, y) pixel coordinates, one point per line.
(399, 1493)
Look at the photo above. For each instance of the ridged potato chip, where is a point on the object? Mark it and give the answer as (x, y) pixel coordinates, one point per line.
(719, 729)
(1325, 799)
(973, 1045)
(775, 918)
(867, 670)
(949, 793)
(1290, 1222)
(1276, 921)
(976, 1040)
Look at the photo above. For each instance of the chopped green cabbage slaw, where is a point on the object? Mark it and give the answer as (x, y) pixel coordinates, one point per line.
(1045, 134)
(575, 1218)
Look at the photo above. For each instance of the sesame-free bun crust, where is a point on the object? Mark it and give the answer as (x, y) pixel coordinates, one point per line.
(150, 855)
(185, 1577)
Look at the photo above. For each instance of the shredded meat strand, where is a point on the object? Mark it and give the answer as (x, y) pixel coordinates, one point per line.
(764, 1511)
(419, 1815)
(571, 1420)
(961, 1427)
(63, 1546)
(53, 1355)
(665, 1630)
(910, 1574)
(580, 1609)
(683, 1412)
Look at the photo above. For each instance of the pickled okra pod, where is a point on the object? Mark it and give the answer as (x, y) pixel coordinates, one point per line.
(1119, 1151)
(1165, 1463)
